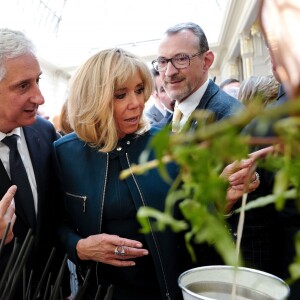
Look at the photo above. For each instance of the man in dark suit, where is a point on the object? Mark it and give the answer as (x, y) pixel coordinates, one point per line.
(20, 98)
(183, 62)
(163, 105)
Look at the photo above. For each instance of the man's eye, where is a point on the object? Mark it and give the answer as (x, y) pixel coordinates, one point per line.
(162, 61)
(23, 85)
(181, 58)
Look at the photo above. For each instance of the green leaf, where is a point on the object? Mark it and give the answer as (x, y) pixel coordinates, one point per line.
(162, 220)
(263, 201)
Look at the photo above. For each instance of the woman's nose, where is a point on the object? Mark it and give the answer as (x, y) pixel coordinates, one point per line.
(133, 102)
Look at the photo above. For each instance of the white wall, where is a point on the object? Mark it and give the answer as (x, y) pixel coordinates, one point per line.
(54, 86)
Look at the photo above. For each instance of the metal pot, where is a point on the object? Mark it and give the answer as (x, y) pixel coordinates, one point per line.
(215, 283)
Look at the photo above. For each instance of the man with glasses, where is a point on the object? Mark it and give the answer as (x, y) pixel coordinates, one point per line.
(183, 62)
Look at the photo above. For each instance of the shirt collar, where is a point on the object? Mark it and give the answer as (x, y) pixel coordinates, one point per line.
(190, 103)
(162, 111)
(16, 131)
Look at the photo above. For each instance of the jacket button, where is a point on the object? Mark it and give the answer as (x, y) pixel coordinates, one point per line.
(128, 142)
(119, 148)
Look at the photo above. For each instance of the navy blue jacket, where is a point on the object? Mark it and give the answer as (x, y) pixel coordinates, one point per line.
(83, 172)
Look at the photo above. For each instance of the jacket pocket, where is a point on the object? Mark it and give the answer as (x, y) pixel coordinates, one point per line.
(77, 202)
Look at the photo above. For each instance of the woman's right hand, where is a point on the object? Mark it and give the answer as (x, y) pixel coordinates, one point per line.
(101, 247)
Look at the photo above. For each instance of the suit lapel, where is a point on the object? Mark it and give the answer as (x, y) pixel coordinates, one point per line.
(211, 90)
(35, 153)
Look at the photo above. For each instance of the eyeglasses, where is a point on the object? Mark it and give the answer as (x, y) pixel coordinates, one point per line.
(179, 61)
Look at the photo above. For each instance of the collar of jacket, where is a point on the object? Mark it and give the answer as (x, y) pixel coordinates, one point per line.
(123, 145)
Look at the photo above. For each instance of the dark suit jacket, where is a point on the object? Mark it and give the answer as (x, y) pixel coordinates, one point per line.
(153, 114)
(217, 101)
(39, 138)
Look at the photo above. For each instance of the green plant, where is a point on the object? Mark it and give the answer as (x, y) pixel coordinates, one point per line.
(202, 154)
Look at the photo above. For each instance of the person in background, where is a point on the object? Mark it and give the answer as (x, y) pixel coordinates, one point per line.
(20, 97)
(184, 60)
(163, 105)
(7, 214)
(101, 232)
(262, 88)
(231, 86)
(61, 122)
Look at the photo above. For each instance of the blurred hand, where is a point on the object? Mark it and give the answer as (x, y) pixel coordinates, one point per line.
(7, 213)
(101, 247)
(242, 179)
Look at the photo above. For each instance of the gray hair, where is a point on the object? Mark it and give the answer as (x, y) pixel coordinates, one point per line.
(13, 43)
(196, 29)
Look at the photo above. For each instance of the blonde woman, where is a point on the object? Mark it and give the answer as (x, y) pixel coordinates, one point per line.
(105, 109)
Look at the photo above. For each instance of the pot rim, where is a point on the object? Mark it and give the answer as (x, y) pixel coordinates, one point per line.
(226, 267)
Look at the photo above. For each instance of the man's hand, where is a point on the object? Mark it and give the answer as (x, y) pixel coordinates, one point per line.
(7, 213)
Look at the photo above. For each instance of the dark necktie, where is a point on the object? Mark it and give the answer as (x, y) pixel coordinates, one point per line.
(18, 176)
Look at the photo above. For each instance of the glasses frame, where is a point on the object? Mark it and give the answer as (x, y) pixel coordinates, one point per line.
(155, 62)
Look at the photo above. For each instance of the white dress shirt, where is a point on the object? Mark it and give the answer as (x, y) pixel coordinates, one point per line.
(24, 153)
(190, 103)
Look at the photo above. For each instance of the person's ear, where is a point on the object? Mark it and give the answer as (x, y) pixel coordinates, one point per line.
(208, 58)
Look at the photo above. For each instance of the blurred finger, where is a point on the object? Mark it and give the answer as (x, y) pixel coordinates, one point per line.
(124, 252)
(122, 263)
(262, 153)
(127, 242)
(7, 199)
(13, 220)
(11, 210)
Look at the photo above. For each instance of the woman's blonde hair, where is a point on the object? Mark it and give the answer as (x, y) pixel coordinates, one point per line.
(91, 97)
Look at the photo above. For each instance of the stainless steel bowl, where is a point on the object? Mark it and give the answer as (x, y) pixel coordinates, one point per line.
(215, 283)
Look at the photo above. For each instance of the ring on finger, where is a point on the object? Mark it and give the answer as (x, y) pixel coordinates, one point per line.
(256, 178)
(120, 250)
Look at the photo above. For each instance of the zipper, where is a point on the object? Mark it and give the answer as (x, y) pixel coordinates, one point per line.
(101, 211)
(83, 198)
(152, 233)
(104, 191)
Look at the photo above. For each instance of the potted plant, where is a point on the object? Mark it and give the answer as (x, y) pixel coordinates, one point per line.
(199, 188)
